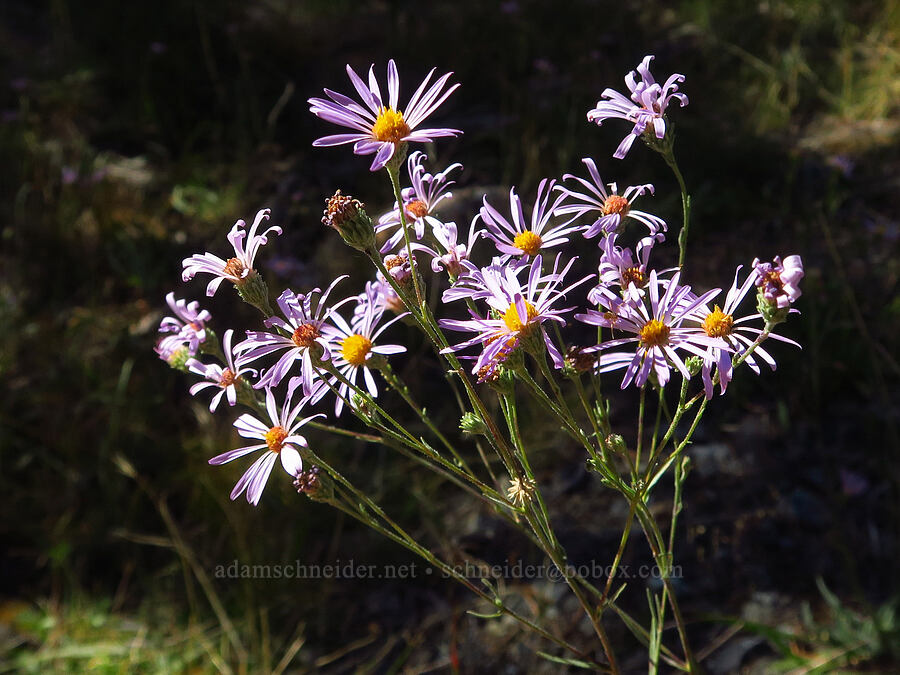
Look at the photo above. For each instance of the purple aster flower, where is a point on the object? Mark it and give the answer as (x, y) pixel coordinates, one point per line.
(216, 376)
(610, 208)
(279, 440)
(238, 269)
(658, 331)
(779, 281)
(189, 321)
(519, 309)
(521, 238)
(353, 344)
(618, 266)
(381, 127)
(301, 333)
(720, 323)
(647, 105)
(174, 350)
(419, 201)
(447, 236)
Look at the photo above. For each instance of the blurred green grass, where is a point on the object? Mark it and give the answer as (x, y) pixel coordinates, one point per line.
(135, 135)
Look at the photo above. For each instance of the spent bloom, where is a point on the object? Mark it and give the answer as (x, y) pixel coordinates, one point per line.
(189, 322)
(353, 344)
(279, 441)
(301, 335)
(647, 105)
(226, 379)
(419, 201)
(522, 237)
(239, 269)
(609, 208)
(381, 127)
(658, 331)
(778, 281)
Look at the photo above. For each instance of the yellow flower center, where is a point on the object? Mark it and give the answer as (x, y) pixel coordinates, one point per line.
(654, 334)
(417, 209)
(390, 127)
(275, 438)
(304, 335)
(718, 323)
(512, 319)
(228, 378)
(355, 348)
(528, 242)
(615, 204)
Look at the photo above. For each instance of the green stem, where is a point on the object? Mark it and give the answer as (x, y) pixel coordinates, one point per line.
(393, 170)
(669, 157)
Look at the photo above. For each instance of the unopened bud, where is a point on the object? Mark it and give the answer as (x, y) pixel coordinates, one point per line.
(617, 444)
(472, 424)
(694, 364)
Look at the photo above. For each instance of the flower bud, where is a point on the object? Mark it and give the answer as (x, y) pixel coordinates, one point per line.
(472, 424)
(694, 364)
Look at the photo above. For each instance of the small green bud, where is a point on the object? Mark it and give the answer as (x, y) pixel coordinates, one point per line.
(178, 359)
(348, 216)
(694, 364)
(617, 444)
(771, 312)
(472, 424)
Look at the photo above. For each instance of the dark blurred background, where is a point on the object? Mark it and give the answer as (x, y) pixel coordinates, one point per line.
(135, 134)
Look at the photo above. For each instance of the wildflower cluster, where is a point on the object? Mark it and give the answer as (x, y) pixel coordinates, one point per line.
(514, 294)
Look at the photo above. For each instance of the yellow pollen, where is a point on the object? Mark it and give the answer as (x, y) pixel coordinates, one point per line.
(718, 323)
(234, 268)
(275, 438)
(417, 209)
(612, 317)
(512, 319)
(392, 261)
(228, 378)
(390, 127)
(615, 204)
(633, 275)
(654, 334)
(528, 242)
(304, 335)
(355, 348)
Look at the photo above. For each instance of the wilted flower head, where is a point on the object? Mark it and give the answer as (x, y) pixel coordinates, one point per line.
(381, 127)
(348, 216)
(239, 269)
(778, 281)
(647, 106)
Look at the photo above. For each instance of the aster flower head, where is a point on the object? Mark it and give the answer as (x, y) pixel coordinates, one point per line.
(189, 321)
(419, 201)
(174, 350)
(619, 267)
(519, 308)
(353, 345)
(778, 281)
(646, 107)
(300, 336)
(381, 128)
(455, 253)
(239, 269)
(226, 379)
(279, 441)
(720, 322)
(608, 207)
(521, 237)
(657, 328)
